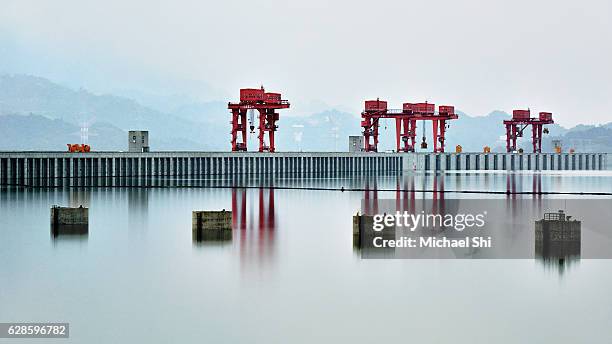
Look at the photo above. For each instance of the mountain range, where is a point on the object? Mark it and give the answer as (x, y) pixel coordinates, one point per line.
(38, 114)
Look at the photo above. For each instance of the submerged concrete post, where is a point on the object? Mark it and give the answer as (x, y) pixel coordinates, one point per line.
(69, 221)
(362, 225)
(211, 225)
(9, 173)
(557, 236)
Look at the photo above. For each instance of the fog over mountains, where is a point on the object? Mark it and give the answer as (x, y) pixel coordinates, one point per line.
(38, 114)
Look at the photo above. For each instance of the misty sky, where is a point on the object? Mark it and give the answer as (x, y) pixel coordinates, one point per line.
(480, 55)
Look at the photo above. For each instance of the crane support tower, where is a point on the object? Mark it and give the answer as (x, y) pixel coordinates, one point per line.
(405, 123)
(266, 103)
(521, 119)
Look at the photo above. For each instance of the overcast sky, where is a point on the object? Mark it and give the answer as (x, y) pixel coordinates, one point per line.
(480, 55)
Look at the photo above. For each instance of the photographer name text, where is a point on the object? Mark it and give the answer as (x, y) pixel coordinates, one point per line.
(434, 242)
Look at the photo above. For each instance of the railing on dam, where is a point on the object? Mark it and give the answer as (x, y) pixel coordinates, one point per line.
(51, 168)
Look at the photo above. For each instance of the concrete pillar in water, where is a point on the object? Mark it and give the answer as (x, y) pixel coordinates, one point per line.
(67, 173)
(553, 161)
(484, 161)
(528, 162)
(9, 172)
(557, 236)
(211, 225)
(69, 221)
(83, 169)
(26, 171)
(442, 161)
(364, 233)
(57, 169)
(420, 164)
(18, 171)
(597, 162)
(358, 227)
(362, 229)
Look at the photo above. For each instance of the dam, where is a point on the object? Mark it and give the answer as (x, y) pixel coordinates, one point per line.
(60, 168)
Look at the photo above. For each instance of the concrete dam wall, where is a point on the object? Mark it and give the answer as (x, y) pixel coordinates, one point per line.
(30, 168)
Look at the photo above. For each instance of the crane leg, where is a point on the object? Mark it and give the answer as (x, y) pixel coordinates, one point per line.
(434, 125)
(243, 122)
(262, 129)
(405, 137)
(413, 128)
(272, 123)
(442, 131)
(398, 134)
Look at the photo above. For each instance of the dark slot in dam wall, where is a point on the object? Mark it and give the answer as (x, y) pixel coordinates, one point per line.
(30, 168)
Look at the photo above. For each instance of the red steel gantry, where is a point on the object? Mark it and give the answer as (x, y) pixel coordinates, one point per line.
(521, 119)
(266, 103)
(405, 123)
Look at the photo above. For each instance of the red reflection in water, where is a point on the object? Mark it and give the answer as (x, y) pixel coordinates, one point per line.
(405, 195)
(438, 196)
(256, 233)
(370, 199)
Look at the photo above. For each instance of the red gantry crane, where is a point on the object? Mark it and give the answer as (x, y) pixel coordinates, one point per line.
(266, 103)
(521, 119)
(406, 123)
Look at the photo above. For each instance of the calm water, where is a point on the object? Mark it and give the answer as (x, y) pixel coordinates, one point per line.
(290, 273)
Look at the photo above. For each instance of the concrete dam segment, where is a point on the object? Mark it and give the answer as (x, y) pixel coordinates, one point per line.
(21, 168)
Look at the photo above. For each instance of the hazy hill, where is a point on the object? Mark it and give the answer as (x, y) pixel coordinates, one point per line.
(34, 132)
(593, 139)
(24, 95)
(36, 113)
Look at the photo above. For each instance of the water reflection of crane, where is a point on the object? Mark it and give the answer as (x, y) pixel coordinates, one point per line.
(370, 198)
(516, 194)
(513, 187)
(405, 196)
(438, 195)
(558, 240)
(256, 236)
